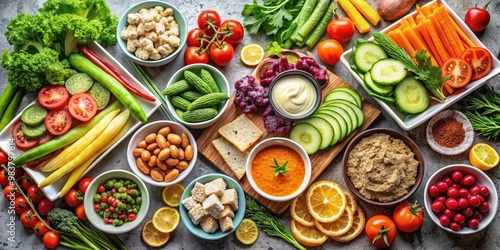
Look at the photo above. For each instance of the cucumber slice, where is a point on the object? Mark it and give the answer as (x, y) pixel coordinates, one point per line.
(34, 115)
(345, 111)
(324, 128)
(367, 54)
(33, 132)
(78, 83)
(388, 72)
(344, 93)
(337, 133)
(341, 121)
(307, 136)
(381, 90)
(360, 116)
(411, 96)
(100, 94)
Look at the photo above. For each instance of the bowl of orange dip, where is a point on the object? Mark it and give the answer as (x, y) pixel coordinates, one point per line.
(278, 169)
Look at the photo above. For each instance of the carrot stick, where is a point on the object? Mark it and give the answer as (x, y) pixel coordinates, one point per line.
(447, 33)
(442, 36)
(411, 21)
(392, 37)
(426, 10)
(428, 40)
(404, 24)
(449, 89)
(435, 39)
(404, 43)
(460, 31)
(443, 14)
(418, 44)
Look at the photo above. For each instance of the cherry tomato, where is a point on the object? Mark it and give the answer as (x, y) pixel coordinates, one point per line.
(234, 29)
(28, 218)
(73, 197)
(51, 239)
(408, 216)
(101, 189)
(4, 177)
(480, 59)
(26, 181)
(20, 139)
(195, 55)
(457, 176)
(45, 138)
(80, 212)
(473, 223)
(458, 71)
(83, 184)
(477, 18)
(131, 216)
(195, 36)
(221, 53)
(451, 203)
(4, 158)
(444, 221)
(35, 193)
(329, 51)
(459, 218)
(53, 97)
(437, 206)
(20, 205)
(468, 180)
(40, 229)
(484, 191)
(82, 107)
(10, 192)
(58, 122)
(340, 29)
(45, 206)
(453, 192)
(209, 21)
(381, 231)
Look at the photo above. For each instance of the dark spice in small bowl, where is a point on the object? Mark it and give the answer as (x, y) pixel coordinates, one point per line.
(448, 132)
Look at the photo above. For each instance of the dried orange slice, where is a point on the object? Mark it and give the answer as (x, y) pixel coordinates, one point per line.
(309, 236)
(483, 156)
(247, 232)
(326, 201)
(153, 237)
(299, 212)
(172, 194)
(352, 204)
(166, 219)
(338, 226)
(357, 227)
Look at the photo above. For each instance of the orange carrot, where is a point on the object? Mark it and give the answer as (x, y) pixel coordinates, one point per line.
(428, 40)
(442, 36)
(448, 89)
(403, 42)
(447, 23)
(461, 33)
(392, 37)
(418, 44)
(411, 21)
(435, 39)
(453, 43)
(404, 24)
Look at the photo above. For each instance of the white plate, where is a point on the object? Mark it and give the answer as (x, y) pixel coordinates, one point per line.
(52, 191)
(409, 122)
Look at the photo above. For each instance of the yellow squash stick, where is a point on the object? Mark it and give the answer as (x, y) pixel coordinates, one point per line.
(77, 147)
(368, 12)
(356, 17)
(111, 130)
(76, 174)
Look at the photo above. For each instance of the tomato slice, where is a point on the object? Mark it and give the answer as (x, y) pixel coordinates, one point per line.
(458, 71)
(45, 138)
(53, 97)
(58, 122)
(82, 107)
(480, 59)
(22, 143)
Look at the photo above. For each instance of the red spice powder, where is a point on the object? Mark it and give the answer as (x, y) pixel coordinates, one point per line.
(448, 132)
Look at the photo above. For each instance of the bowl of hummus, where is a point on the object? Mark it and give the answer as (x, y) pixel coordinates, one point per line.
(382, 166)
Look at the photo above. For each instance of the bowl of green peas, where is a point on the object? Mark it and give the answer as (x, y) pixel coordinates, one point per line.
(116, 201)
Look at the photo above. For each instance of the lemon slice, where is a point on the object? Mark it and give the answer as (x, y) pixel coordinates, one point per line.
(172, 194)
(153, 237)
(247, 232)
(326, 201)
(252, 54)
(337, 227)
(483, 156)
(351, 201)
(357, 227)
(309, 236)
(166, 219)
(299, 212)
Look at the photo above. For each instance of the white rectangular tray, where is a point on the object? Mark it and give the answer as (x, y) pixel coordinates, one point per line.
(52, 191)
(409, 122)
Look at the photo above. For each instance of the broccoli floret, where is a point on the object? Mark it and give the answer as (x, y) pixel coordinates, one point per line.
(58, 73)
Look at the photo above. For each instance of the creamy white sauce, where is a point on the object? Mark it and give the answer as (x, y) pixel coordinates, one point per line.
(294, 95)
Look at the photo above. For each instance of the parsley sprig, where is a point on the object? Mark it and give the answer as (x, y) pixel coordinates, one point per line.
(271, 16)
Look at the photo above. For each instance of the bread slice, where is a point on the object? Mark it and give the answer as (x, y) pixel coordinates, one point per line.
(241, 132)
(232, 156)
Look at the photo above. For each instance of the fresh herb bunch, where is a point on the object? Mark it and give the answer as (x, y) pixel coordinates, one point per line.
(482, 108)
(271, 16)
(424, 70)
(279, 169)
(269, 223)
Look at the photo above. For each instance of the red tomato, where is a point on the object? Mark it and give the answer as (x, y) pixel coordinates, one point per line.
(82, 107)
(28, 218)
(80, 212)
(234, 30)
(4, 178)
(195, 36)
(73, 197)
(477, 18)
(195, 55)
(408, 216)
(4, 158)
(329, 51)
(221, 53)
(35, 193)
(45, 206)
(381, 231)
(83, 184)
(22, 143)
(45, 138)
(340, 29)
(58, 122)
(458, 72)
(20, 205)
(53, 97)
(40, 229)
(480, 59)
(10, 192)
(51, 239)
(209, 21)
(26, 181)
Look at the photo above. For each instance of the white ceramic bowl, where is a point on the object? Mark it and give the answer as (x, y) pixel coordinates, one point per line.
(481, 180)
(469, 133)
(153, 127)
(279, 141)
(98, 221)
(179, 18)
(222, 83)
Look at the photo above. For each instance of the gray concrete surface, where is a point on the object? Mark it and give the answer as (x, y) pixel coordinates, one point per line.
(429, 236)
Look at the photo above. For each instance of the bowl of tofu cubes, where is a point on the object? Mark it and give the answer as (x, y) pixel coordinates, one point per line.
(213, 206)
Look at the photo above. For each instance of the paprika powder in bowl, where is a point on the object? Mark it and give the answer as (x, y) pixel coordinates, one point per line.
(450, 132)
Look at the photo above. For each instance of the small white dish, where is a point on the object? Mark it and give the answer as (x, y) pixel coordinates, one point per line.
(460, 117)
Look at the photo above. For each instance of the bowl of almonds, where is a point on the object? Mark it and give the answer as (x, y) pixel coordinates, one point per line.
(162, 153)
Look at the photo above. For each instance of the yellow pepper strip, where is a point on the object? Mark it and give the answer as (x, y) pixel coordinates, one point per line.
(72, 151)
(368, 12)
(111, 130)
(356, 17)
(76, 174)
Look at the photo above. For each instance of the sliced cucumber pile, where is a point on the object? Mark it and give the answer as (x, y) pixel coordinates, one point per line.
(367, 54)
(411, 96)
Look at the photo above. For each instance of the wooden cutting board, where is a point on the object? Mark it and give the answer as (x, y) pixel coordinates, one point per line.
(319, 161)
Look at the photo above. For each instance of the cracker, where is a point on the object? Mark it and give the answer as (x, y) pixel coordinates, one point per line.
(232, 156)
(241, 132)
